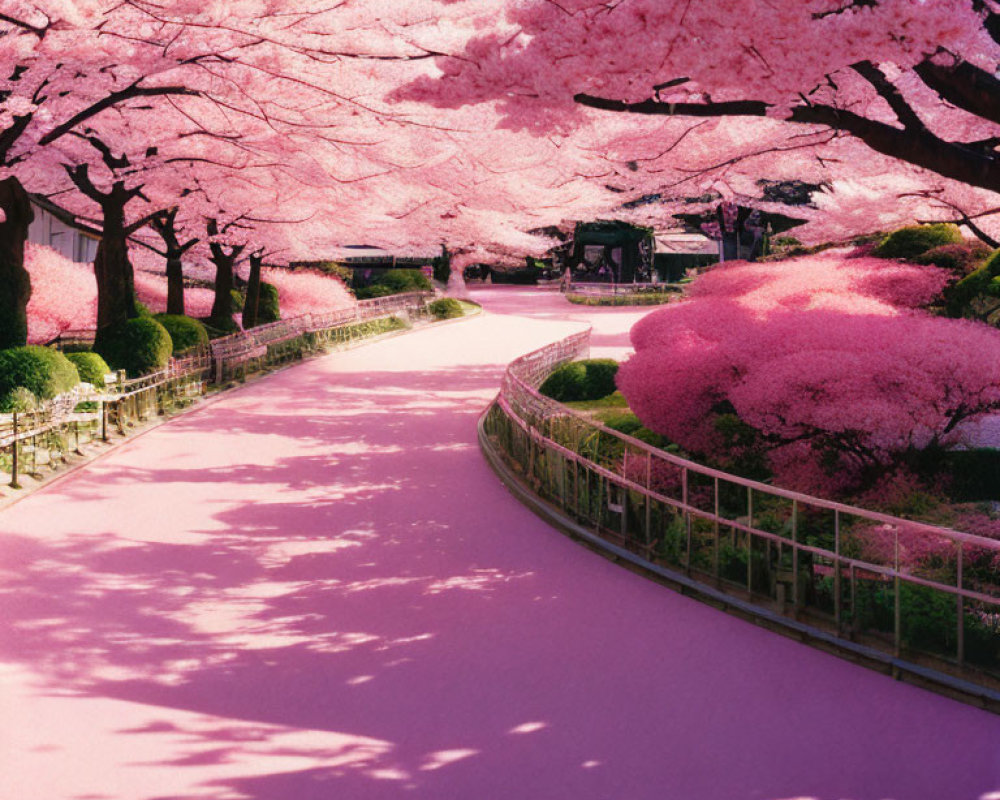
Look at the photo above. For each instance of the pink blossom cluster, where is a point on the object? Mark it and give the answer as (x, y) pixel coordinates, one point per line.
(821, 355)
(63, 294)
(307, 291)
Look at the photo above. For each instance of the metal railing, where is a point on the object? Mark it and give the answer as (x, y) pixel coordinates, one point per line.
(43, 437)
(598, 289)
(927, 594)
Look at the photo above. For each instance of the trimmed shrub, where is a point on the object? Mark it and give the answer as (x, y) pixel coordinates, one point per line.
(581, 380)
(137, 346)
(959, 258)
(446, 308)
(565, 383)
(404, 280)
(40, 370)
(238, 300)
(911, 241)
(185, 333)
(91, 367)
(375, 290)
(599, 378)
(267, 304)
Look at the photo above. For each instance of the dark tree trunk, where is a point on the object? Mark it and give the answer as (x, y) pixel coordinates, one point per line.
(222, 306)
(253, 291)
(175, 284)
(115, 280)
(165, 225)
(15, 284)
(224, 259)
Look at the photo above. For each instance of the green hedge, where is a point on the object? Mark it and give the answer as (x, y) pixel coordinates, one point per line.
(137, 346)
(591, 379)
(395, 281)
(185, 333)
(238, 300)
(91, 366)
(913, 240)
(445, 308)
(40, 370)
(375, 290)
(267, 304)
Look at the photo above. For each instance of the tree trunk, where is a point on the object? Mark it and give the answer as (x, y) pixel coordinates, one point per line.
(222, 306)
(15, 283)
(253, 292)
(115, 280)
(175, 283)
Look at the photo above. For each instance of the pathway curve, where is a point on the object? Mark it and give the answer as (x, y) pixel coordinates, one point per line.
(315, 588)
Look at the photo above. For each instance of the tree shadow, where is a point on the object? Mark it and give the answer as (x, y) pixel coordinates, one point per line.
(316, 588)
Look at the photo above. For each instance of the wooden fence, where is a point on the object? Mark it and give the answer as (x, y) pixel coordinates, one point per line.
(919, 593)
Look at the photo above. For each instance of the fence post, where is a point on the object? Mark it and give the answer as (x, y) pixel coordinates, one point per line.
(897, 636)
(836, 568)
(13, 469)
(960, 610)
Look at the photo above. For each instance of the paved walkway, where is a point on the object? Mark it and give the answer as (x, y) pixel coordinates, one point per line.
(315, 588)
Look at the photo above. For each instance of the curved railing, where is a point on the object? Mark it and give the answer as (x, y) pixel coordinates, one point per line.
(31, 439)
(922, 595)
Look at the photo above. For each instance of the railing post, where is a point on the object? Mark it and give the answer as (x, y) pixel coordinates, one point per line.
(687, 518)
(897, 636)
(715, 532)
(749, 541)
(960, 609)
(14, 465)
(104, 420)
(795, 556)
(836, 567)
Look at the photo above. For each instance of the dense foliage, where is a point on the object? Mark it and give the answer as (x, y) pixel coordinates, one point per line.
(185, 333)
(590, 379)
(914, 240)
(91, 367)
(395, 281)
(788, 352)
(445, 308)
(40, 370)
(268, 309)
(137, 346)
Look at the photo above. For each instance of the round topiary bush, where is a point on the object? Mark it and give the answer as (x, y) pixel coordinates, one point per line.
(40, 370)
(911, 241)
(982, 281)
(137, 346)
(267, 304)
(591, 379)
(185, 333)
(91, 366)
(445, 308)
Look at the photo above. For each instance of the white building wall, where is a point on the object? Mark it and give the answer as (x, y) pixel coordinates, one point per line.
(69, 242)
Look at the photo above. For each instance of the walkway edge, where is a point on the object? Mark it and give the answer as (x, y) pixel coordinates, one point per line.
(905, 671)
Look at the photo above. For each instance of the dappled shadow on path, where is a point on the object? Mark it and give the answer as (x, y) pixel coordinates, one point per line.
(315, 588)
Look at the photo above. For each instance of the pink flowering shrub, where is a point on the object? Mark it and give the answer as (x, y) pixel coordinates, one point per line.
(306, 291)
(63, 294)
(825, 358)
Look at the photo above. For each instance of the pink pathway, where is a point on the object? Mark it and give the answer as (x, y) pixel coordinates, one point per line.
(314, 588)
